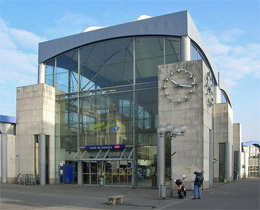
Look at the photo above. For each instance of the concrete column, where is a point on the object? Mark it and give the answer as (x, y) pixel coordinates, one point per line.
(4, 158)
(258, 165)
(211, 158)
(171, 181)
(160, 159)
(80, 173)
(185, 49)
(227, 161)
(42, 158)
(239, 164)
(41, 73)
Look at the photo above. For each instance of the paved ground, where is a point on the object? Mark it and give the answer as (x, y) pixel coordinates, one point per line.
(242, 194)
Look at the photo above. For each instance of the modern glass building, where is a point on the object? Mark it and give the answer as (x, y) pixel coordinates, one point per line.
(108, 96)
(106, 103)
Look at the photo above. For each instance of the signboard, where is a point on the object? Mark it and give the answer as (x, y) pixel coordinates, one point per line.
(108, 165)
(61, 163)
(104, 147)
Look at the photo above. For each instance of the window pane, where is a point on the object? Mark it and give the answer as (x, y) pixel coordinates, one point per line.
(194, 53)
(104, 119)
(106, 64)
(149, 54)
(67, 72)
(172, 50)
(49, 74)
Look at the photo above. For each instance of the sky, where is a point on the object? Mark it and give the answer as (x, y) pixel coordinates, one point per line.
(230, 30)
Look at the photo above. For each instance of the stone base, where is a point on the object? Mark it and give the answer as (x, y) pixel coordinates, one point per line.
(51, 181)
(11, 180)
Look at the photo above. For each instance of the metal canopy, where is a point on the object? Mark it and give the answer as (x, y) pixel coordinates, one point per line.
(104, 154)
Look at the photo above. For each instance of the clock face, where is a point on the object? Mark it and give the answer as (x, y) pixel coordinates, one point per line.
(209, 89)
(179, 85)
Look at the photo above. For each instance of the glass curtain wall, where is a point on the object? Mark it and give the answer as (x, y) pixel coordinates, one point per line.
(107, 93)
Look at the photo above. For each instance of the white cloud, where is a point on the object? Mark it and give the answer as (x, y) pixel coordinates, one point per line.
(25, 39)
(234, 60)
(70, 23)
(18, 62)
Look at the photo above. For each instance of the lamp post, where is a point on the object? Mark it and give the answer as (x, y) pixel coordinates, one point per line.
(169, 131)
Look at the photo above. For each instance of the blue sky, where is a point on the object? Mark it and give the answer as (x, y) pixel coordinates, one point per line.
(230, 29)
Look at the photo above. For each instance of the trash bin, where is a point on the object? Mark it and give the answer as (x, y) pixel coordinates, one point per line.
(101, 182)
(154, 181)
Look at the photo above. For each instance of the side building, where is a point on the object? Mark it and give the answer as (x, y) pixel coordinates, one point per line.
(251, 157)
(102, 94)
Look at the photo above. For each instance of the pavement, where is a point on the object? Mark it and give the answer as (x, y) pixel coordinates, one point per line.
(240, 194)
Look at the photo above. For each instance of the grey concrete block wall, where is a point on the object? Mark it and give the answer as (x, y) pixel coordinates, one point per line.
(223, 133)
(192, 148)
(35, 113)
(11, 159)
(237, 136)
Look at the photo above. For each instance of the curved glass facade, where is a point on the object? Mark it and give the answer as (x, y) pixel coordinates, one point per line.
(107, 85)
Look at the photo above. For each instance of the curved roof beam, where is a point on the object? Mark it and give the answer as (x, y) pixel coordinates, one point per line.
(175, 24)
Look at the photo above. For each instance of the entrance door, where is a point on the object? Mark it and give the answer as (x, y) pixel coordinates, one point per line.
(113, 172)
(221, 162)
(108, 172)
(94, 173)
(86, 173)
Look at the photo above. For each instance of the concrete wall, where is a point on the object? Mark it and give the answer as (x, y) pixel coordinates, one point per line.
(244, 163)
(35, 115)
(237, 136)
(192, 148)
(237, 141)
(11, 159)
(217, 95)
(223, 133)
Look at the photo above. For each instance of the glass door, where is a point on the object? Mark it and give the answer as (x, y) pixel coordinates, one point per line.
(94, 173)
(108, 172)
(86, 173)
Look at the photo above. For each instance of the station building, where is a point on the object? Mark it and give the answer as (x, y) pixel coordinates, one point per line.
(101, 96)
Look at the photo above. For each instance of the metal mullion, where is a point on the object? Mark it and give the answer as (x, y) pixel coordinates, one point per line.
(106, 154)
(130, 154)
(134, 146)
(123, 153)
(82, 154)
(103, 64)
(55, 72)
(78, 100)
(98, 154)
(75, 156)
(164, 51)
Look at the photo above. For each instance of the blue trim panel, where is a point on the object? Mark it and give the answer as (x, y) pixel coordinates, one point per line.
(7, 119)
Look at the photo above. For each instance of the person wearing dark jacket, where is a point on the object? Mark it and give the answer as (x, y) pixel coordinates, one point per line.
(197, 184)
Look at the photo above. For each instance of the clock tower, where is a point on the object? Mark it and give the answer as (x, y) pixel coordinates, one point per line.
(185, 98)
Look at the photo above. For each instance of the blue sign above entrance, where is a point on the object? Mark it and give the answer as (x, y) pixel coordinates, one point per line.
(104, 147)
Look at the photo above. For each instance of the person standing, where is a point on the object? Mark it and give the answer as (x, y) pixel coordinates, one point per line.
(197, 184)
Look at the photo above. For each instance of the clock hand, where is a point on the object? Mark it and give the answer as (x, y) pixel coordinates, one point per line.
(174, 82)
(186, 86)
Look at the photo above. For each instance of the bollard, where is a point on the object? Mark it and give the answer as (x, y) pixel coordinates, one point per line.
(162, 191)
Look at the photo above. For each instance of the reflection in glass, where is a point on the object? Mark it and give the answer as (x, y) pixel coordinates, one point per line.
(104, 119)
(98, 109)
(149, 54)
(106, 64)
(67, 72)
(172, 50)
(50, 72)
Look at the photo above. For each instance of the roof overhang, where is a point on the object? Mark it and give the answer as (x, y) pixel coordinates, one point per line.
(174, 24)
(104, 154)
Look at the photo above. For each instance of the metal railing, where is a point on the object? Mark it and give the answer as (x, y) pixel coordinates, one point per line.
(26, 179)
